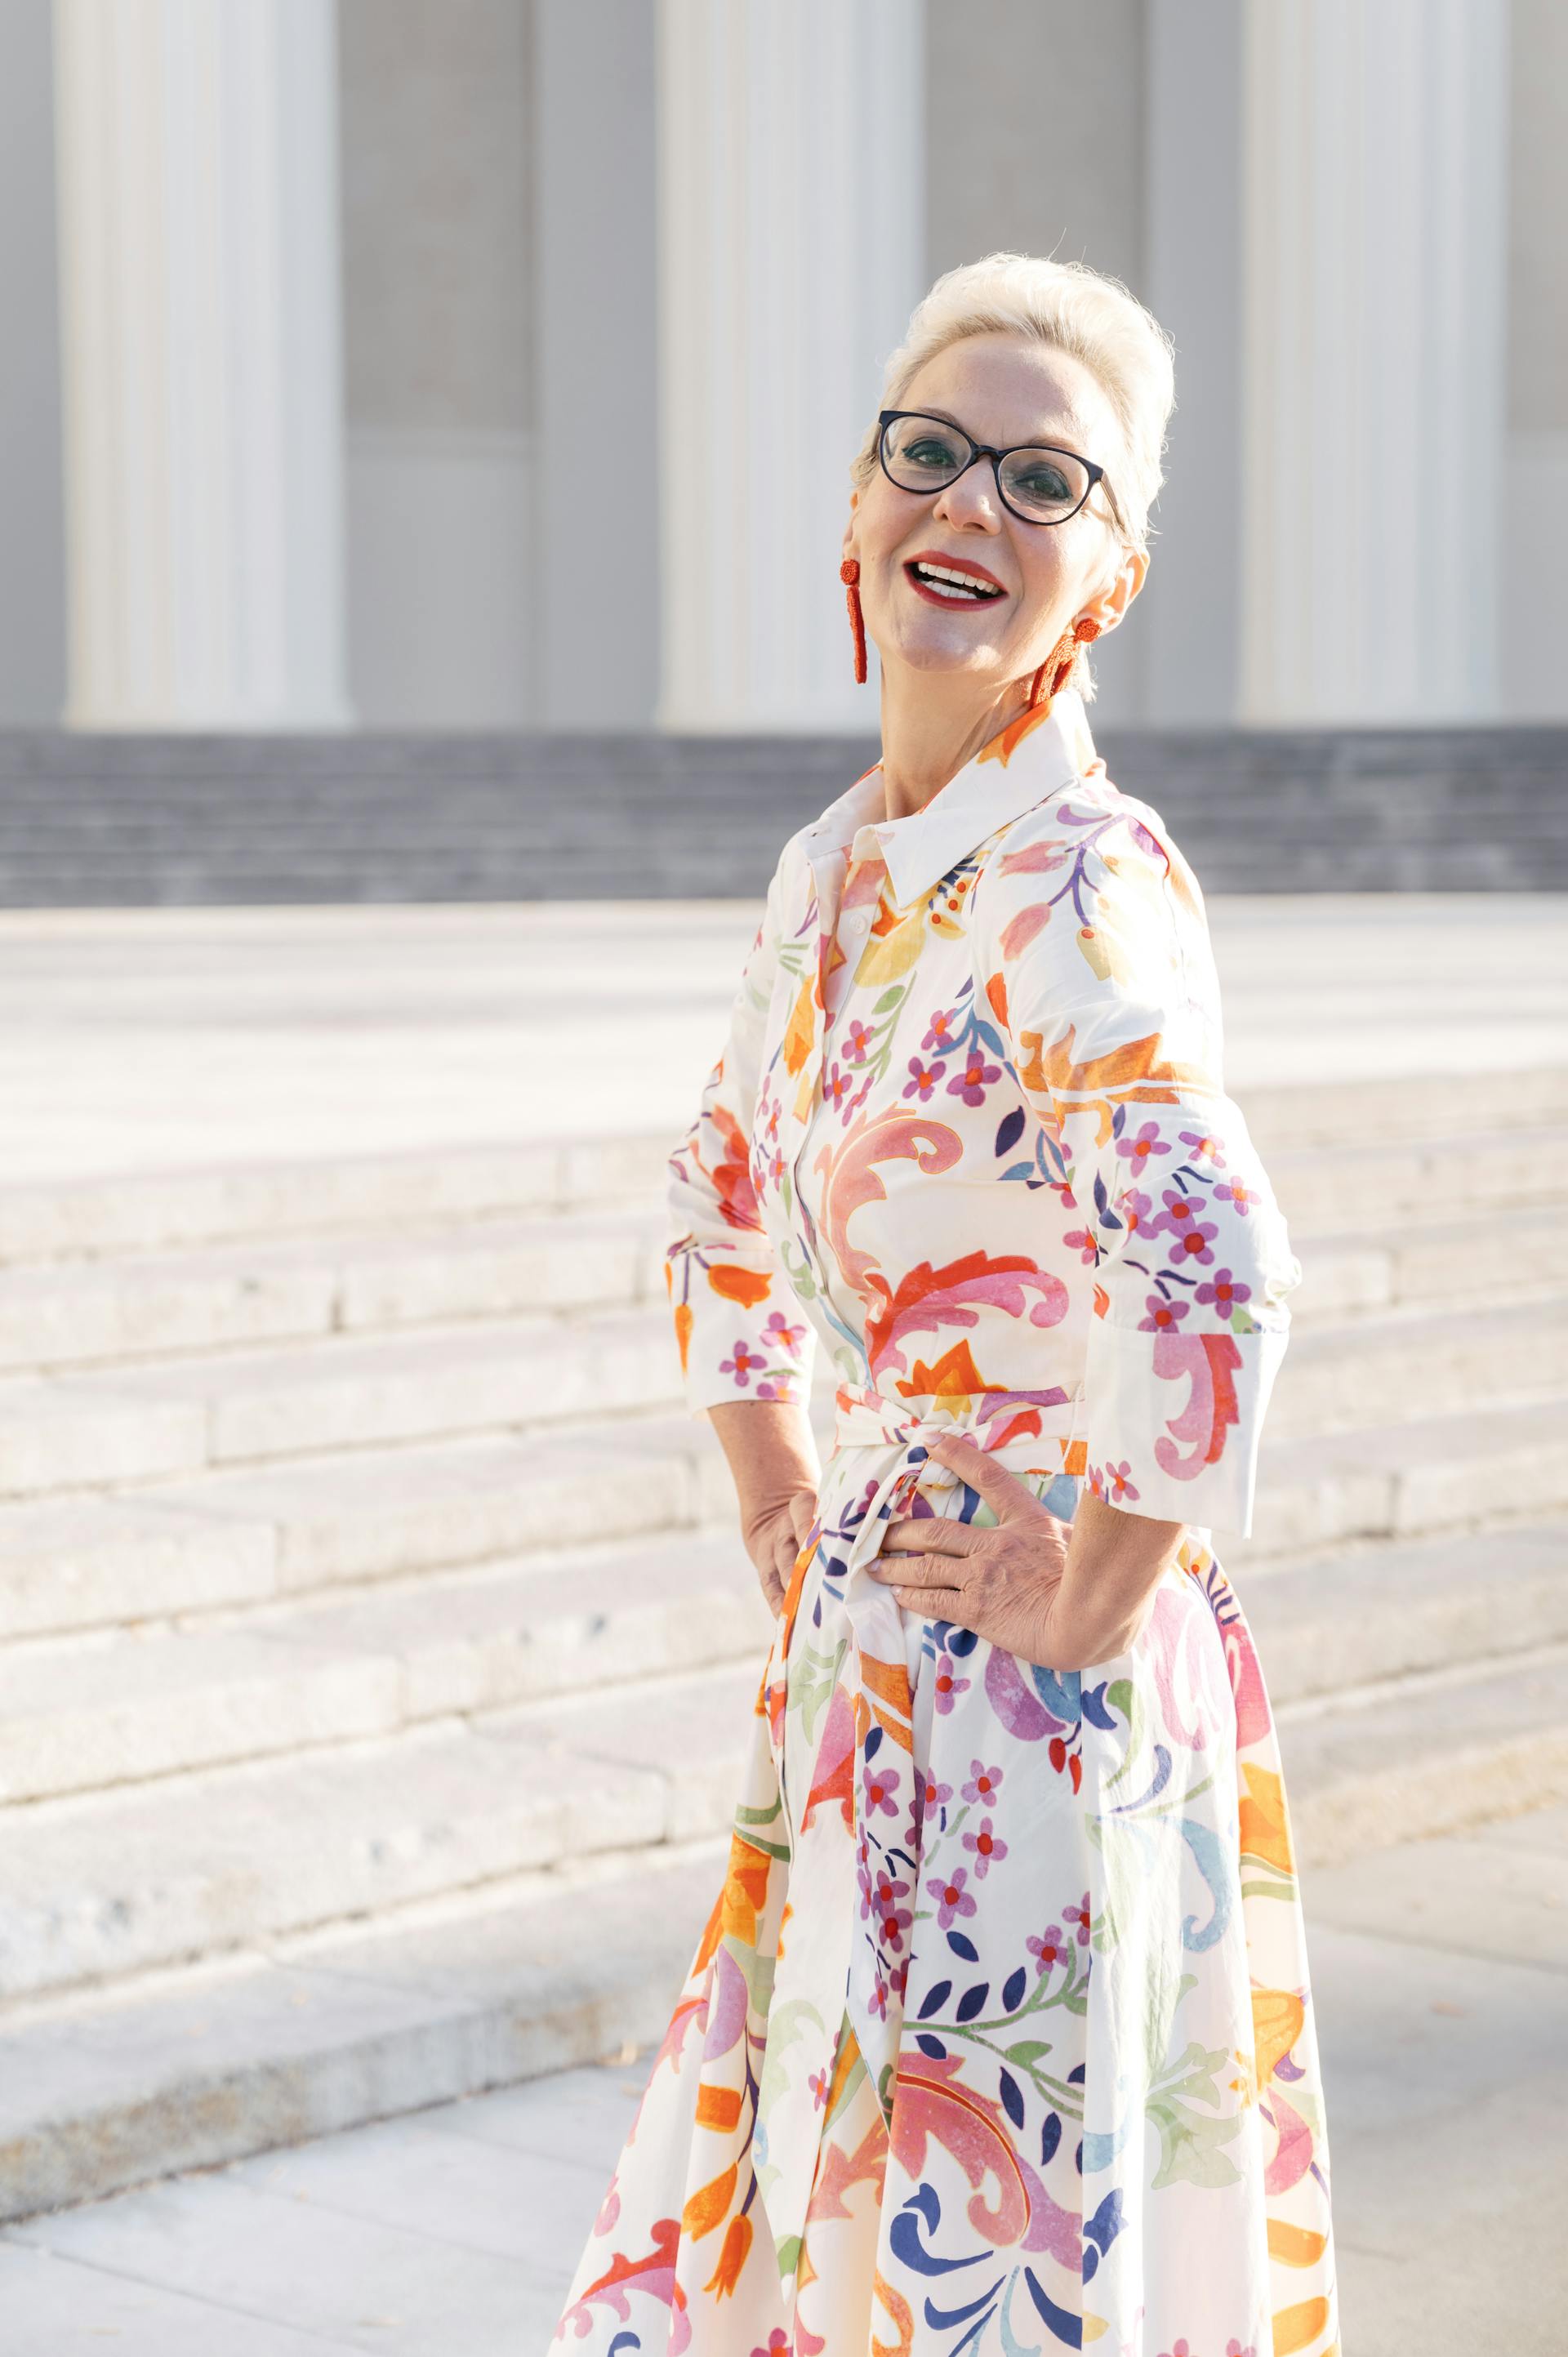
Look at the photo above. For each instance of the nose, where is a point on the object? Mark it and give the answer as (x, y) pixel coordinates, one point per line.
(970, 502)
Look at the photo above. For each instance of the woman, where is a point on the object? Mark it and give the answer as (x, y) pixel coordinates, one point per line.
(999, 2038)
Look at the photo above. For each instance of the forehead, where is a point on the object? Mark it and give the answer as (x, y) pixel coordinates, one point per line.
(1003, 387)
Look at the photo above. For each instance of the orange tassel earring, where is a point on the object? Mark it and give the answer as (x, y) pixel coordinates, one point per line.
(849, 574)
(1060, 659)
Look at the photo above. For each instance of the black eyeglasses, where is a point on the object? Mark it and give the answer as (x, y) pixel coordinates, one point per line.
(1038, 481)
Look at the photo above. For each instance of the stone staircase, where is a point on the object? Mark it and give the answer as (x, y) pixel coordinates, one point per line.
(377, 1657)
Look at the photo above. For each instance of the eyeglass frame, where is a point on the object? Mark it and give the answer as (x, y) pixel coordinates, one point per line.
(1096, 473)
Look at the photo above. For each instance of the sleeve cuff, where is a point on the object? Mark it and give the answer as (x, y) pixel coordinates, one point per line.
(1175, 1421)
(741, 1332)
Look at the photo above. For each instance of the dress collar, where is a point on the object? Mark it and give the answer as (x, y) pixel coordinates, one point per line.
(1033, 755)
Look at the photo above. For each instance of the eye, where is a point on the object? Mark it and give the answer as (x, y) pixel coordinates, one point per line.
(1043, 481)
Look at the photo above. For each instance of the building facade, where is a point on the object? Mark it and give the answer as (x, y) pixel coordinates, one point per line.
(497, 364)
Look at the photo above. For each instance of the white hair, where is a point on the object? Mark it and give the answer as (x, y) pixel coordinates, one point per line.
(1074, 309)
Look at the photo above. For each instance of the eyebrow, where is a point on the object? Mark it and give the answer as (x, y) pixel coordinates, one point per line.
(949, 419)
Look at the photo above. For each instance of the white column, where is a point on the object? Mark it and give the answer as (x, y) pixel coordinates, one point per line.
(791, 252)
(199, 242)
(1375, 269)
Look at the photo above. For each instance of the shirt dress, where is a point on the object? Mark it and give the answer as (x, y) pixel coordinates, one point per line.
(999, 2039)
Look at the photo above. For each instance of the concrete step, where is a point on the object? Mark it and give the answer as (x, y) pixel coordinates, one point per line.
(98, 1887)
(1326, 1624)
(156, 1420)
(1427, 1755)
(264, 2050)
(1439, 1142)
(1424, 1263)
(174, 1209)
(100, 2090)
(1435, 1174)
(88, 1714)
(266, 1533)
(232, 1297)
(235, 1295)
(142, 1422)
(1477, 1468)
(1410, 1363)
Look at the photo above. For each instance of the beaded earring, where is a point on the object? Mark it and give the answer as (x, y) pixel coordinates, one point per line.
(849, 574)
(1060, 659)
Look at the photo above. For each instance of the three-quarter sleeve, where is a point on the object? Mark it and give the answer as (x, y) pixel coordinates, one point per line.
(741, 1331)
(1099, 970)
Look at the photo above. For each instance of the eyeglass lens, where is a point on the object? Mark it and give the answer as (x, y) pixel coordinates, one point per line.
(923, 453)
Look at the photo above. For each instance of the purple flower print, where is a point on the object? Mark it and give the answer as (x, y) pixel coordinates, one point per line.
(881, 1784)
(983, 1784)
(817, 2083)
(893, 1923)
(1177, 2349)
(1224, 1291)
(935, 1795)
(744, 1364)
(781, 1335)
(988, 1850)
(1119, 1478)
(1164, 1316)
(775, 2345)
(1233, 2349)
(1138, 1212)
(1138, 1149)
(976, 1076)
(1080, 1241)
(1080, 1916)
(949, 1685)
(879, 1998)
(862, 1876)
(859, 1041)
(941, 1033)
(836, 1087)
(926, 1077)
(950, 1896)
(1097, 1481)
(1050, 1951)
(1236, 1191)
(1184, 1220)
(1204, 1149)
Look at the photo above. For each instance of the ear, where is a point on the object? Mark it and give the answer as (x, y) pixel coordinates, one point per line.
(1111, 605)
(849, 546)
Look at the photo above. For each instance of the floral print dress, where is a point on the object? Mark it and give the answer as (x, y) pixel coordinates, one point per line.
(999, 2039)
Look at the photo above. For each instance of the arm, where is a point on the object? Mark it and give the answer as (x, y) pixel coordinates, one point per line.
(746, 1349)
(1100, 976)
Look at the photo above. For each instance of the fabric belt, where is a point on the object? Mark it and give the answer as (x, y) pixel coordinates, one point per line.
(827, 1967)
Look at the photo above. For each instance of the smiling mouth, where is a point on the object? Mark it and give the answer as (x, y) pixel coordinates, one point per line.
(947, 584)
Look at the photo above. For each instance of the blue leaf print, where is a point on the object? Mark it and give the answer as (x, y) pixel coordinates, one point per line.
(935, 1998)
(1011, 2100)
(962, 1945)
(1011, 1131)
(932, 2048)
(1013, 1990)
(1067, 2329)
(972, 2001)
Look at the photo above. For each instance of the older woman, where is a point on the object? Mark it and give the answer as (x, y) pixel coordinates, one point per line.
(999, 2038)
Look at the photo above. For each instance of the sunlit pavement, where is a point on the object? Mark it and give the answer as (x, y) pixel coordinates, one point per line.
(1441, 1971)
(137, 1039)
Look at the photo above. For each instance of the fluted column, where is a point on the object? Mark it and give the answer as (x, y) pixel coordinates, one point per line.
(1375, 266)
(791, 250)
(199, 245)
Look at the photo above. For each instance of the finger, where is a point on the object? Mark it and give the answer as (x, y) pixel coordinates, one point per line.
(927, 1603)
(931, 1571)
(930, 1535)
(1002, 1491)
(802, 1514)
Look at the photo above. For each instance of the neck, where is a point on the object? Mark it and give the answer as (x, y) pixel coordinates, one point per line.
(933, 723)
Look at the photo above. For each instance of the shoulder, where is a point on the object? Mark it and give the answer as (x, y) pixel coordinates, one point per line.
(1088, 841)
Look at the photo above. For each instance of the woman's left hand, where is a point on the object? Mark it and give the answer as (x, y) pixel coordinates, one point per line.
(1007, 1580)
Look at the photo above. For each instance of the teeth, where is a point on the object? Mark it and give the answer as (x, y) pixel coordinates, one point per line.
(941, 577)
